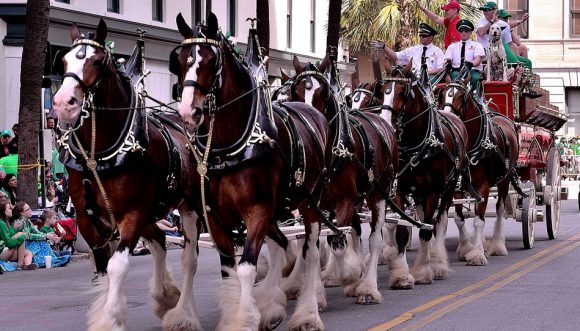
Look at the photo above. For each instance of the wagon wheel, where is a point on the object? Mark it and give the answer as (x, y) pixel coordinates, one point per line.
(527, 214)
(552, 193)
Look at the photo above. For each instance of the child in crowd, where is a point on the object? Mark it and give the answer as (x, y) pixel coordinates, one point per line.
(48, 217)
(37, 242)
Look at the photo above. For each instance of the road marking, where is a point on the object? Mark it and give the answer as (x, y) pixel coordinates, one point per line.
(472, 288)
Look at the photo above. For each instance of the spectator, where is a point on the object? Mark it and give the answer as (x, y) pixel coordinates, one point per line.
(14, 142)
(49, 218)
(36, 241)
(449, 21)
(13, 247)
(51, 200)
(6, 138)
(2, 176)
(9, 187)
(50, 123)
(168, 227)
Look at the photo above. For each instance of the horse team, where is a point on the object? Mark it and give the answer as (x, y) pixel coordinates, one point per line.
(235, 162)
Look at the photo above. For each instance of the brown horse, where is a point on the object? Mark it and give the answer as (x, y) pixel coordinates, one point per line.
(364, 166)
(258, 161)
(493, 152)
(126, 170)
(433, 155)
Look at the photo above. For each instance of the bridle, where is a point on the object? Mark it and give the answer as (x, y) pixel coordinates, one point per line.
(215, 46)
(88, 92)
(450, 91)
(307, 77)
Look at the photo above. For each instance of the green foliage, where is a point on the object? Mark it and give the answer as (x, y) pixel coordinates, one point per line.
(366, 20)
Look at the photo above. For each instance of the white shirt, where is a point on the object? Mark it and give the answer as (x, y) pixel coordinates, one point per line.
(506, 35)
(472, 49)
(434, 57)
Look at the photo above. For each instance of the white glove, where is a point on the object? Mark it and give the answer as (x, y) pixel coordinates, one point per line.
(377, 44)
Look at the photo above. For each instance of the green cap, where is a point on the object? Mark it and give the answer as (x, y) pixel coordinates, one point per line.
(503, 13)
(488, 5)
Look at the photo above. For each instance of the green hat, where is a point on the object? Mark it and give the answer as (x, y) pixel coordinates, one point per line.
(6, 133)
(503, 13)
(464, 24)
(425, 28)
(488, 5)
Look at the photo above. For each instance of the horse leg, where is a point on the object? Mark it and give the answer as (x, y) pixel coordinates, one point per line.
(422, 271)
(347, 263)
(306, 316)
(477, 255)
(366, 289)
(439, 258)
(109, 310)
(238, 305)
(465, 244)
(163, 288)
(292, 285)
(496, 245)
(182, 316)
(270, 298)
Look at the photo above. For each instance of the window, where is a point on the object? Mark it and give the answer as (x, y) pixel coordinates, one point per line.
(575, 18)
(312, 26)
(232, 17)
(289, 24)
(63, 1)
(157, 10)
(113, 6)
(573, 100)
(517, 8)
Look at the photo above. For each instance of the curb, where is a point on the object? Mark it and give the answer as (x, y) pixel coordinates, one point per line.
(79, 256)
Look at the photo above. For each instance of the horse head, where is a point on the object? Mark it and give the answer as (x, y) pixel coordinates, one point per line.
(198, 66)
(282, 92)
(394, 90)
(310, 85)
(84, 67)
(366, 96)
(454, 95)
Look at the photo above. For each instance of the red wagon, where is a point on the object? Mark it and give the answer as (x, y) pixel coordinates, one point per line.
(539, 159)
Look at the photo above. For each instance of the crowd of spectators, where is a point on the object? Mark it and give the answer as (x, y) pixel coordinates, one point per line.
(570, 154)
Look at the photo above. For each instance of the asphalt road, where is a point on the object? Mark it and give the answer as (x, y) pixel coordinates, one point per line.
(533, 289)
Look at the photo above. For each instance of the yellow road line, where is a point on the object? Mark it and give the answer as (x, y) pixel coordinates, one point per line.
(453, 306)
(471, 288)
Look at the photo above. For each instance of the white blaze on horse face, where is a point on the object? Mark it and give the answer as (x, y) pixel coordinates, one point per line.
(187, 106)
(388, 100)
(361, 98)
(68, 100)
(449, 99)
(309, 93)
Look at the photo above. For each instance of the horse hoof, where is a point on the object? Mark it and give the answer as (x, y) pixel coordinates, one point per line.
(369, 299)
(330, 282)
(440, 274)
(271, 326)
(308, 327)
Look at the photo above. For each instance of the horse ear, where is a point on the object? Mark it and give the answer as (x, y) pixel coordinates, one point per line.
(75, 32)
(183, 27)
(448, 78)
(408, 67)
(377, 69)
(297, 65)
(212, 25)
(503, 28)
(377, 91)
(324, 65)
(285, 77)
(101, 32)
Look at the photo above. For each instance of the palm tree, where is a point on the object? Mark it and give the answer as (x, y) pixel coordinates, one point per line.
(33, 59)
(393, 21)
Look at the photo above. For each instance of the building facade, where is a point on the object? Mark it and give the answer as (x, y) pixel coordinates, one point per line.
(296, 27)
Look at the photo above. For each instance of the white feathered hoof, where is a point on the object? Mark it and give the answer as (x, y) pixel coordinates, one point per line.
(180, 320)
(423, 275)
(401, 281)
(476, 258)
(329, 280)
(496, 248)
(367, 295)
(292, 293)
(350, 289)
(167, 301)
(462, 250)
(271, 324)
(440, 267)
(271, 303)
(309, 322)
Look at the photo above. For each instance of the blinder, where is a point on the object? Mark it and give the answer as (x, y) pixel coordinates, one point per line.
(307, 77)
